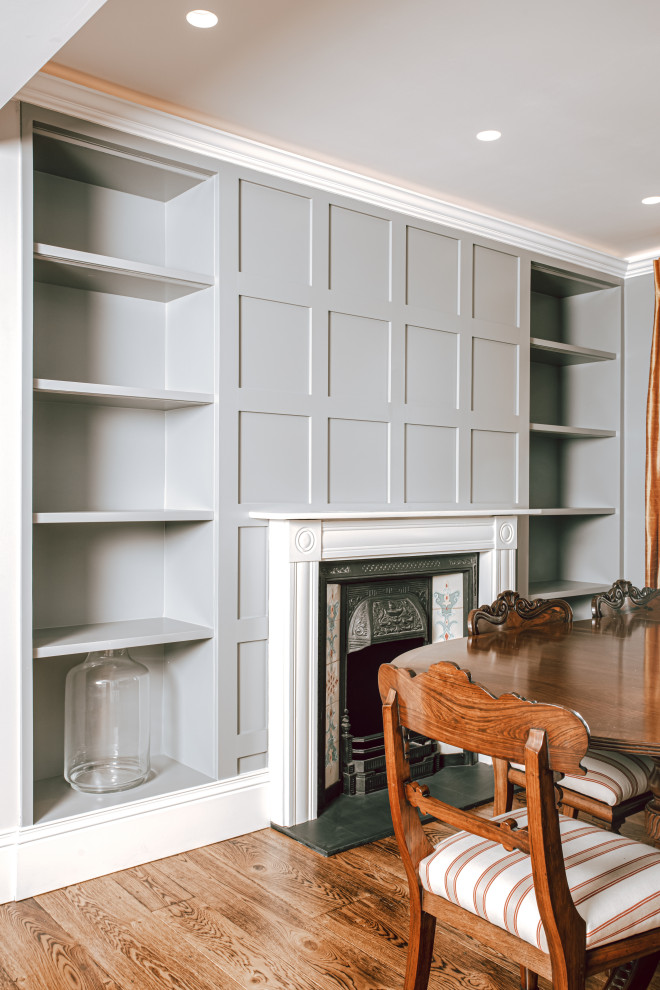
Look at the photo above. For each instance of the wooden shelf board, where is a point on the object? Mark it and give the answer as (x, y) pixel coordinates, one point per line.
(565, 589)
(54, 799)
(553, 352)
(99, 273)
(574, 432)
(572, 511)
(125, 516)
(64, 640)
(51, 390)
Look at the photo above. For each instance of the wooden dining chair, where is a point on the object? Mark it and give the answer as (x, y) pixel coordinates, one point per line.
(564, 899)
(616, 785)
(623, 597)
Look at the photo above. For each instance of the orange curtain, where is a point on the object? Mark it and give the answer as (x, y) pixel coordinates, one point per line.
(653, 449)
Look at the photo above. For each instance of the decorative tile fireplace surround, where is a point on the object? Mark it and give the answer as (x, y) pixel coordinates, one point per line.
(297, 545)
(375, 610)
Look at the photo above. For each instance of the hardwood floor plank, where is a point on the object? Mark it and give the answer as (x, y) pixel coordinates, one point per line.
(371, 932)
(273, 950)
(354, 866)
(151, 887)
(366, 938)
(313, 882)
(105, 941)
(6, 983)
(288, 932)
(135, 951)
(41, 953)
(214, 886)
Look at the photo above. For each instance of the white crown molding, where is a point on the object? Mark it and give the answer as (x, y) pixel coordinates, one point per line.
(641, 266)
(75, 100)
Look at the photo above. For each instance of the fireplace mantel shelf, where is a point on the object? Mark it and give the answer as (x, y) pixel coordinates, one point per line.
(396, 514)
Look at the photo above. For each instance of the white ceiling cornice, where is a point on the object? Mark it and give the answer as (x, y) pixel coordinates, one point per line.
(106, 109)
(642, 266)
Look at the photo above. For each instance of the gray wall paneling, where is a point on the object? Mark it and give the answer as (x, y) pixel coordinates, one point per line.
(348, 346)
(367, 360)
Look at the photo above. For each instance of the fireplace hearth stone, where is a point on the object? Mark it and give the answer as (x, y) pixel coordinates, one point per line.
(353, 821)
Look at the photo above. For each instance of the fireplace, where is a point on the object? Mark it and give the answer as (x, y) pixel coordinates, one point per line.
(374, 610)
(300, 545)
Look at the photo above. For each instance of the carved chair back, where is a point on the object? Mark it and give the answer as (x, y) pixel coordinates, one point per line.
(511, 611)
(444, 704)
(624, 597)
(516, 618)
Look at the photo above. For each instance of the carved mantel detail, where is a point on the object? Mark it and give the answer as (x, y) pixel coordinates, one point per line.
(383, 618)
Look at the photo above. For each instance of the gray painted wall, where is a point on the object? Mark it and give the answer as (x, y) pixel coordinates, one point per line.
(638, 330)
(367, 361)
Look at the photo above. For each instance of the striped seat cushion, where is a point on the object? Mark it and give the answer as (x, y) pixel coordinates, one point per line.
(615, 882)
(611, 777)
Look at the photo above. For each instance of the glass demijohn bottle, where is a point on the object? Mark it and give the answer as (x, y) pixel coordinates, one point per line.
(106, 723)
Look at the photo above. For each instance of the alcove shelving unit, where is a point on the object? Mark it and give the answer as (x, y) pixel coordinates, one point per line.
(123, 448)
(574, 456)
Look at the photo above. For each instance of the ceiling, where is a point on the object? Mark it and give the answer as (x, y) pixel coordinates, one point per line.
(397, 89)
(32, 31)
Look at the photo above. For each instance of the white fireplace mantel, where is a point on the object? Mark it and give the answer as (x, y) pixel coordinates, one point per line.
(297, 543)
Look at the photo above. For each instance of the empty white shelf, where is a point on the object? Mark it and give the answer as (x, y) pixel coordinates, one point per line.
(553, 352)
(50, 390)
(565, 589)
(100, 273)
(573, 511)
(54, 799)
(125, 516)
(574, 432)
(63, 640)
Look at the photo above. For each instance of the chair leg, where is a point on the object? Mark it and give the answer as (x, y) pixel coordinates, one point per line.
(503, 787)
(568, 811)
(420, 950)
(528, 980)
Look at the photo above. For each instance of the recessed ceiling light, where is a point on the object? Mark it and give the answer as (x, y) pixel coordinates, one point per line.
(202, 18)
(651, 200)
(489, 135)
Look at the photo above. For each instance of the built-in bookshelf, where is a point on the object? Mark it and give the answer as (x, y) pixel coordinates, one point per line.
(574, 452)
(124, 441)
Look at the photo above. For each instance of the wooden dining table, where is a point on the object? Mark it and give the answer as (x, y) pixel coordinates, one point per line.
(607, 669)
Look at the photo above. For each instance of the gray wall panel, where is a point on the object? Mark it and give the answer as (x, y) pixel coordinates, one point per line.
(496, 286)
(252, 571)
(430, 464)
(359, 358)
(494, 467)
(360, 254)
(432, 367)
(432, 270)
(274, 345)
(358, 456)
(494, 377)
(252, 707)
(275, 234)
(274, 458)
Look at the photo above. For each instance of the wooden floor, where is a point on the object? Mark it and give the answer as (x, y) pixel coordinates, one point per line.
(260, 911)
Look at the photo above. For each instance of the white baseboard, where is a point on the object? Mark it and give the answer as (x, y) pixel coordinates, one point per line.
(42, 858)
